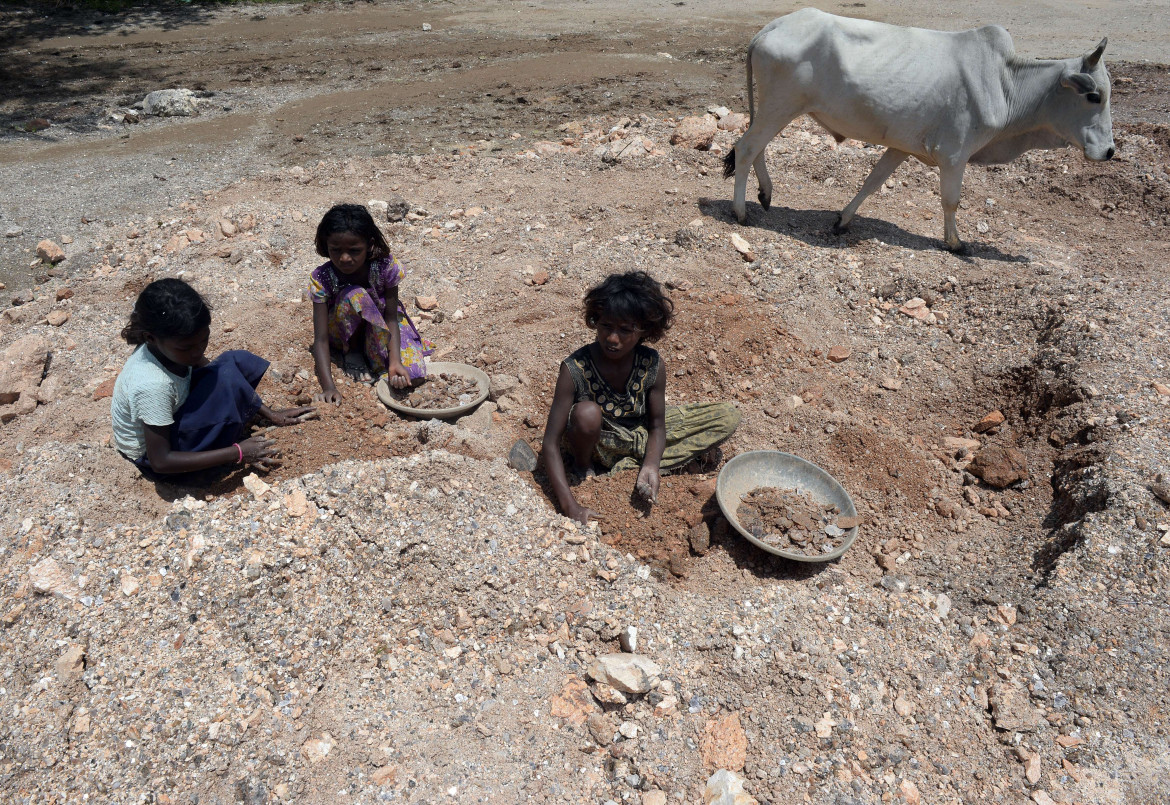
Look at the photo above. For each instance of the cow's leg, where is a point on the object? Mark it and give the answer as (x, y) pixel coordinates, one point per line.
(763, 179)
(889, 162)
(770, 119)
(950, 180)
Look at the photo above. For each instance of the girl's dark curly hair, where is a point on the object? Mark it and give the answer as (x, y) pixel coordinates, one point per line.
(635, 297)
(167, 308)
(352, 218)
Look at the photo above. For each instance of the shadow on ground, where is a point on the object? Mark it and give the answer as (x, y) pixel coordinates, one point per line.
(815, 228)
(25, 23)
(36, 83)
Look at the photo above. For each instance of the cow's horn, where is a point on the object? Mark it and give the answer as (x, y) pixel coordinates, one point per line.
(1094, 57)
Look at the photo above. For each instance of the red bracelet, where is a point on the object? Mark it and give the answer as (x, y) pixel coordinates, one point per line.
(240, 450)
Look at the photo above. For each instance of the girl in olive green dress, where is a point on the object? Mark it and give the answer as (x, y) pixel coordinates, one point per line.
(609, 407)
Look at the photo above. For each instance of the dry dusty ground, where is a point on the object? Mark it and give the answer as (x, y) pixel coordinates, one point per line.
(975, 645)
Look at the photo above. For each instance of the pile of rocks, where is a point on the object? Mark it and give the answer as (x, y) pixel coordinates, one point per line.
(22, 369)
(389, 626)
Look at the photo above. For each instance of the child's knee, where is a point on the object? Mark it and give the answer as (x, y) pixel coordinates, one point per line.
(585, 418)
(240, 357)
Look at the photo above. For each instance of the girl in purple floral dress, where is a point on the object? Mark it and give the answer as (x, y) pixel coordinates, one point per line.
(356, 309)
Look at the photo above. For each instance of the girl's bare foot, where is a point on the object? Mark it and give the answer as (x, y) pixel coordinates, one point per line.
(583, 473)
(706, 461)
(354, 364)
(710, 459)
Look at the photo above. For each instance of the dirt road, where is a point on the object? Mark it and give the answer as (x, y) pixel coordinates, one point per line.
(288, 85)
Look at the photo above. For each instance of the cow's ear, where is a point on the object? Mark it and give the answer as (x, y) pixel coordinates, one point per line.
(1080, 83)
(1094, 57)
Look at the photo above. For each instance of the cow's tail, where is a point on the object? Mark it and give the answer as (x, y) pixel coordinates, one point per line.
(729, 164)
(729, 159)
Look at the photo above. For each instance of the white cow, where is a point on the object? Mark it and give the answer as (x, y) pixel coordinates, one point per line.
(945, 98)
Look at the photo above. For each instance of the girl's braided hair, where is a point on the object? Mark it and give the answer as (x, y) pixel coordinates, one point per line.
(166, 308)
(634, 297)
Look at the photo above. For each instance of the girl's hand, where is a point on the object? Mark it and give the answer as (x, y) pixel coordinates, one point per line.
(397, 376)
(331, 396)
(261, 452)
(582, 514)
(293, 416)
(647, 484)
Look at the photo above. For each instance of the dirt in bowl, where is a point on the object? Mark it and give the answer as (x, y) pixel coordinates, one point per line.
(792, 521)
(444, 390)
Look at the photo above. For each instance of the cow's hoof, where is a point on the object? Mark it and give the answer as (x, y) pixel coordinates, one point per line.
(765, 201)
(839, 228)
(961, 249)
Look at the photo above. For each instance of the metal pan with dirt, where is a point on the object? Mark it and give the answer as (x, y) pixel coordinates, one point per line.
(793, 489)
(449, 390)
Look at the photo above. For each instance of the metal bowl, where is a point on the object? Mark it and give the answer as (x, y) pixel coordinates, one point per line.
(758, 468)
(461, 369)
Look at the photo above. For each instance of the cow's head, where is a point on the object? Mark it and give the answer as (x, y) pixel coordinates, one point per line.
(1087, 120)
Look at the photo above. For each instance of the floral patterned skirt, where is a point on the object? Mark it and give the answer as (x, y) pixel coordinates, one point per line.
(354, 309)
